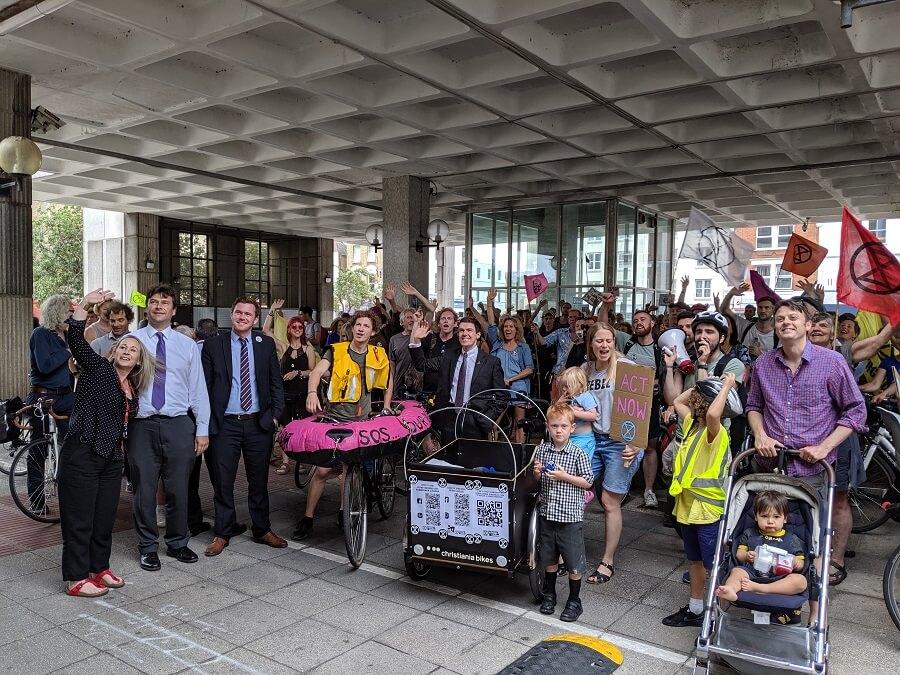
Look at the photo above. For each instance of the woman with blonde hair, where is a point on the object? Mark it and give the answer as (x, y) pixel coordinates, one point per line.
(92, 456)
(508, 345)
(616, 462)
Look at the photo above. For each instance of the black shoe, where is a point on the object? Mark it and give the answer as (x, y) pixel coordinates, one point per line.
(684, 617)
(200, 528)
(572, 611)
(238, 529)
(304, 529)
(150, 562)
(183, 554)
(548, 604)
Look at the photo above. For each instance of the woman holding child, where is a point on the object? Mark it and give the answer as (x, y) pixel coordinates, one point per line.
(615, 462)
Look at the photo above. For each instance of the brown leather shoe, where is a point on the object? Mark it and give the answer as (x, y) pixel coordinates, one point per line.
(271, 539)
(216, 546)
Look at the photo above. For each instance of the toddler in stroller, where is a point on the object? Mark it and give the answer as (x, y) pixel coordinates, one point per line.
(771, 557)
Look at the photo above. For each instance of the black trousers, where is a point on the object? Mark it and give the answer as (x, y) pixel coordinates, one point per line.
(89, 487)
(236, 438)
(161, 447)
(195, 508)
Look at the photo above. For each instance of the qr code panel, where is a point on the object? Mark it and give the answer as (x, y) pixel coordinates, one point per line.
(432, 510)
(490, 513)
(461, 510)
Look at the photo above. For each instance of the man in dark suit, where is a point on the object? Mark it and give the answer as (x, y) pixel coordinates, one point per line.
(464, 372)
(246, 396)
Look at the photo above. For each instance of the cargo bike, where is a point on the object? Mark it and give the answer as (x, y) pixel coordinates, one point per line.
(473, 505)
(370, 449)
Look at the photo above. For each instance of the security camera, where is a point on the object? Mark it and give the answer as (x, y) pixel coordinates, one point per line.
(43, 120)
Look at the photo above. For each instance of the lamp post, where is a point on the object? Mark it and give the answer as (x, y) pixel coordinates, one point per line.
(375, 236)
(19, 157)
(438, 231)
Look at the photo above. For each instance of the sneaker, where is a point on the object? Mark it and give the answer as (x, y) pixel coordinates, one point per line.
(683, 617)
(160, 515)
(650, 500)
(572, 611)
(304, 529)
(548, 604)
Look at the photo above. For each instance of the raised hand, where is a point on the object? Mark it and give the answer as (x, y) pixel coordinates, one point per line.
(819, 290)
(685, 282)
(743, 288)
(608, 298)
(807, 287)
(390, 292)
(277, 304)
(491, 295)
(716, 301)
(420, 330)
(408, 288)
(95, 296)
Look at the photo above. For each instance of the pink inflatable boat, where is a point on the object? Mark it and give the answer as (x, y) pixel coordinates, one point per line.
(315, 435)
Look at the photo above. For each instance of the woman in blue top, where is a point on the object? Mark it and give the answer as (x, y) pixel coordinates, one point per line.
(508, 345)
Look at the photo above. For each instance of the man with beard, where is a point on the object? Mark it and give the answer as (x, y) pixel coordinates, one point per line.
(684, 322)
(437, 344)
(120, 317)
(758, 336)
(641, 348)
(563, 338)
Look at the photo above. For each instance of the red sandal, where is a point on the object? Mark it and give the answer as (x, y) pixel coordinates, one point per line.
(75, 590)
(108, 579)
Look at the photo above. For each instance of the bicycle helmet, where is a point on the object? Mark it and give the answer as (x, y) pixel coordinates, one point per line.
(710, 388)
(719, 322)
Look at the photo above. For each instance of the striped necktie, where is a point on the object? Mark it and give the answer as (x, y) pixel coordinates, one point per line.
(246, 397)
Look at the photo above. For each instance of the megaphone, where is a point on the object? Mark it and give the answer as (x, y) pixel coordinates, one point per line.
(673, 341)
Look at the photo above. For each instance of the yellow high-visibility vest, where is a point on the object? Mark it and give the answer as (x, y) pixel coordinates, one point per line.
(345, 385)
(706, 484)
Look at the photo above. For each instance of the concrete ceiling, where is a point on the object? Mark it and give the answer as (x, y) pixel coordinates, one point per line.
(759, 111)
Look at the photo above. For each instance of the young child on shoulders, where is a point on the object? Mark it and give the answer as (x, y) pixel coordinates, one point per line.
(698, 485)
(771, 511)
(573, 391)
(565, 473)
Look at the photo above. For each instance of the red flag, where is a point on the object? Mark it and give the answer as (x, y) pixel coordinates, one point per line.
(869, 274)
(803, 256)
(535, 284)
(761, 290)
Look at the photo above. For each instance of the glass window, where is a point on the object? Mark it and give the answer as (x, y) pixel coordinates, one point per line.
(703, 289)
(771, 236)
(878, 228)
(644, 252)
(490, 247)
(192, 264)
(534, 240)
(583, 259)
(765, 271)
(663, 254)
(256, 269)
(625, 246)
(784, 280)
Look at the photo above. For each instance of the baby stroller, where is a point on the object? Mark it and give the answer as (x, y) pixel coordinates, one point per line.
(759, 644)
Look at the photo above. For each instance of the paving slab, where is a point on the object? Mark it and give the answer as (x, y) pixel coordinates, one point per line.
(305, 562)
(358, 580)
(19, 564)
(374, 657)
(645, 623)
(246, 621)
(489, 656)
(19, 623)
(306, 644)
(416, 596)
(52, 650)
(859, 649)
(99, 664)
(366, 615)
(469, 613)
(309, 596)
(434, 639)
(260, 578)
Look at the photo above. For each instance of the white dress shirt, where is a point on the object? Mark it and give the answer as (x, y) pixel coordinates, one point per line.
(185, 383)
(471, 358)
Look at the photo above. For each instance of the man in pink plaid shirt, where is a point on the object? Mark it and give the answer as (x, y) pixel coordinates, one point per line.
(804, 397)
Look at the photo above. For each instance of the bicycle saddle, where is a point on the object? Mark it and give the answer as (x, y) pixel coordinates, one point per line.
(338, 435)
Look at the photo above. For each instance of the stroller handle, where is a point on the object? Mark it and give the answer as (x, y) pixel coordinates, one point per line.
(783, 453)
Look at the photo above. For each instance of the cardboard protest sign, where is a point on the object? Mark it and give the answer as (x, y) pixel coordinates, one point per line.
(138, 299)
(632, 404)
(592, 297)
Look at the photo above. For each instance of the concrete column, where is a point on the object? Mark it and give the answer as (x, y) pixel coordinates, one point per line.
(316, 261)
(406, 204)
(16, 275)
(141, 241)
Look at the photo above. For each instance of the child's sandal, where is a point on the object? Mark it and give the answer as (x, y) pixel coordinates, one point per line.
(598, 577)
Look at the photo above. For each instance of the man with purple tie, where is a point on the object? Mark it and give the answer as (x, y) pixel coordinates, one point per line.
(163, 440)
(243, 376)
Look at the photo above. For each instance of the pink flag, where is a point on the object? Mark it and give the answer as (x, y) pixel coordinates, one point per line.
(535, 284)
(761, 290)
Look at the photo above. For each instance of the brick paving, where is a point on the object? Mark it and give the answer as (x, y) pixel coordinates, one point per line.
(256, 609)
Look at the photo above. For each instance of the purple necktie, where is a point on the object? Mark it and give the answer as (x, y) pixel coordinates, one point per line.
(159, 377)
(246, 397)
(460, 397)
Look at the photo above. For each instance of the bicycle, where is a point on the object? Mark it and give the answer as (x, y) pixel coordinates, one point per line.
(882, 465)
(891, 583)
(34, 470)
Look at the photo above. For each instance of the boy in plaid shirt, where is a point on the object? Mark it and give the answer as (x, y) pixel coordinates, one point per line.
(564, 470)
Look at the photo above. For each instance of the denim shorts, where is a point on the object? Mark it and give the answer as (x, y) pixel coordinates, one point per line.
(562, 539)
(700, 542)
(607, 461)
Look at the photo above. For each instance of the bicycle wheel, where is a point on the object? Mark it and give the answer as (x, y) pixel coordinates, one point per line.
(892, 586)
(33, 481)
(385, 487)
(356, 518)
(867, 498)
(303, 474)
(536, 573)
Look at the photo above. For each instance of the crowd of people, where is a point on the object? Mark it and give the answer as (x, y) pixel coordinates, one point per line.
(154, 401)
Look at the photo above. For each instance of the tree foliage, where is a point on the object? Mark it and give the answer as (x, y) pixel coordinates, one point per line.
(58, 249)
(354, 287)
